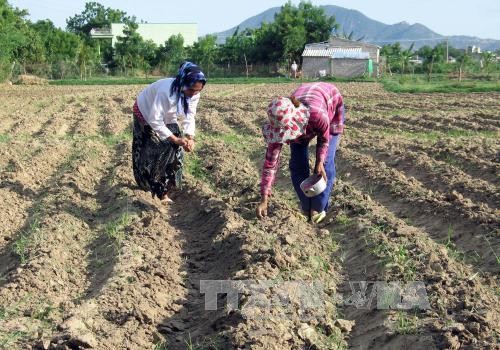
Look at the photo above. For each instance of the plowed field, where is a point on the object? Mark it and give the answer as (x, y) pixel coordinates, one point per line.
(89, 261)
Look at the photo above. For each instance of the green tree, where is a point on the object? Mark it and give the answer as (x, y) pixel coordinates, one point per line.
(131, 51)
(170, 55)
(392, 53)
(204, 52)
(30, 50)
(405, 57)
(318, 25)
(18, 42)
(293, 27)
(95, 15)
(59, 45)
(267, 47)
(431, 57)
(463, 59)
(488, 59)
(147, 57)
(238, 47)
(85, 59)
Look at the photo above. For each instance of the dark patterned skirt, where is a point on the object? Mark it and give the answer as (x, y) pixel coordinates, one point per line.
(157, 164)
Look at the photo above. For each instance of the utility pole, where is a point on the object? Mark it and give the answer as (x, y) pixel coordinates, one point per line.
(447, 50)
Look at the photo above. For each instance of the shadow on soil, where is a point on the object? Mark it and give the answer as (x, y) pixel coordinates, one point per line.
(211, 251)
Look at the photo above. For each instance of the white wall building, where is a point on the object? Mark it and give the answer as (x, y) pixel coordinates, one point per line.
(157, 32)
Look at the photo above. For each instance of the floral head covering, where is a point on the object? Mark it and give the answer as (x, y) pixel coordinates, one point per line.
(286, 122)
(188, 74)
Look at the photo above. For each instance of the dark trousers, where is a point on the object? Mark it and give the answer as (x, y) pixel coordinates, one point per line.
(299, 171)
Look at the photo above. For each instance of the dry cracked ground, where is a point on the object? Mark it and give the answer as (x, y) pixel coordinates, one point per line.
(408, 256)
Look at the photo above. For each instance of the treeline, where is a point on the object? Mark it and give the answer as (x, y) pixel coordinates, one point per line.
(42, 49)
(441, 58)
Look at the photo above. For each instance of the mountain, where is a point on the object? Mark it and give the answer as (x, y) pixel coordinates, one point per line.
(373, 31)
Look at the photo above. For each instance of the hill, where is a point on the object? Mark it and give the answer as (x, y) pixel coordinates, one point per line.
(373, 31)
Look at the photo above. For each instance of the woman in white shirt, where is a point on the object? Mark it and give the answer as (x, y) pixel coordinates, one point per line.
(158, 143)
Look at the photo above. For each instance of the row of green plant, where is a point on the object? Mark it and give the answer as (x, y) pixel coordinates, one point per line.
(419, 83)
(143, 80)
(404, 84)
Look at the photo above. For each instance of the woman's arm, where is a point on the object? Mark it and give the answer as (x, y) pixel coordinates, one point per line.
(269, 170)
(189, 123)
(321, 125)
(155, 119)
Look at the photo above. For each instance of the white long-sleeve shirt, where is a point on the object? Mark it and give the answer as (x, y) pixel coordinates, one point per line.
(159, 108)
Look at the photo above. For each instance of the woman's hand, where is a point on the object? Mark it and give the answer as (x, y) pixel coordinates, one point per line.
(189, 147)
(261, 210)
(319, 169)
(177, 140)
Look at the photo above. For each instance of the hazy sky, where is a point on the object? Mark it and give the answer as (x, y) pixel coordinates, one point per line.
(446, 17)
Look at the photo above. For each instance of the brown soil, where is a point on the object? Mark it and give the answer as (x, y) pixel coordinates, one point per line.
(89, 261)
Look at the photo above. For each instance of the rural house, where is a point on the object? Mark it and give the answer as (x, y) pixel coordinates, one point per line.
(340, 58)
(157, 32)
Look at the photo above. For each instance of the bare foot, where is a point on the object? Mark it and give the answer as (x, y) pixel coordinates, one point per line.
(166, 199)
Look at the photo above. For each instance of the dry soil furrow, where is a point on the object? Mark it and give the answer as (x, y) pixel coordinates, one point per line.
(133, 268)
(46, 272)
(30, 163)
(490, 116)
(365, 271)
(211, 251)
(373, 123)
(464, 119)
(467, 159)
(438, 122)
(472, 163)
(474, 232)
(455, 293)
(24, 180)
(436, 175)
(269, 252)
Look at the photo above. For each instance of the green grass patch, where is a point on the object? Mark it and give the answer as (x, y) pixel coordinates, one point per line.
(406, 324)
(395, 256)
(114, 139)
(343, 219)
(214, 342)
(107, 139)
(193, 165)
(138, 81)
(105, 81)
(9, 338)
(360, 79)
(318, 265)
(115, 229)
(4, 138)
(417, 85)
(22, 244)
(236, 141)
(457, 254)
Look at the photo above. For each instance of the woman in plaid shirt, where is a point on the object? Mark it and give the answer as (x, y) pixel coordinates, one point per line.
(313, 110)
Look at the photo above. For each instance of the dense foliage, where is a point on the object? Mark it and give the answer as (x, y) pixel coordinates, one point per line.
(43, 49)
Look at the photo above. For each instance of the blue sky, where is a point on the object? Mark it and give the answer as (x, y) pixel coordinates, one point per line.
(447, 17)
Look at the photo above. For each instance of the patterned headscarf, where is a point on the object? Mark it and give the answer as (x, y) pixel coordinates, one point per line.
(286, 122)
(189, 74)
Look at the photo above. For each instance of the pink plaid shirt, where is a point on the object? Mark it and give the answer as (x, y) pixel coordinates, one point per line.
(325, 107)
